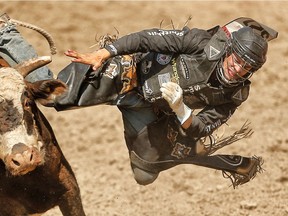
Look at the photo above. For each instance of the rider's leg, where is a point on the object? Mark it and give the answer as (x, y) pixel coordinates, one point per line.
(15, 49)
(136, 116)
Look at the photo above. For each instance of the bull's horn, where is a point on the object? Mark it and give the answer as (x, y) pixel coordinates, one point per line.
(28, 66)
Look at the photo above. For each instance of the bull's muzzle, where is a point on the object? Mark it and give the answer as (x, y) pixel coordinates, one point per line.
(23, 159)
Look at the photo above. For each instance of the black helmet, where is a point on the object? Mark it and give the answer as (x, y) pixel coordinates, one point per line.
(249, 46)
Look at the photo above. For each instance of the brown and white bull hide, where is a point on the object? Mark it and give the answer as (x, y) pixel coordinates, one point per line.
(34, 174)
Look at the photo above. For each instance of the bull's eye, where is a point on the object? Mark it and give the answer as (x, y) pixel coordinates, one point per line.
(26, 94)
(28, 117)
(27, 103)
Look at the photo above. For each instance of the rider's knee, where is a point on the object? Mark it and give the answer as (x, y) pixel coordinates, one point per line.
(143, 177)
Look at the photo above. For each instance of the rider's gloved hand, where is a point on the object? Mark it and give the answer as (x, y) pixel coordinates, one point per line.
(173, 94)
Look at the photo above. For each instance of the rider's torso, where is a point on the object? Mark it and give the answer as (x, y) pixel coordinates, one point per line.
(192, 73)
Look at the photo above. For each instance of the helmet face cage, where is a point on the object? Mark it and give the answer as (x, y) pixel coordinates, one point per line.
(249, 69)
(222, 79)
(240, 79)
(248, 50)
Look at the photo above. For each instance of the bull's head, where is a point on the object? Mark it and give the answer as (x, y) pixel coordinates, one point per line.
(21, 144)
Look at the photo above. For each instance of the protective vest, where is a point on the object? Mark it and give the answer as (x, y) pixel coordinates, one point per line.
(192, 73)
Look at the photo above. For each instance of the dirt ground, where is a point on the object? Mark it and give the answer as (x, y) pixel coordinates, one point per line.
(92, 138)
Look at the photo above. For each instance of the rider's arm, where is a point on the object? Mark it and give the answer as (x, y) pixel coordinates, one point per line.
(161, 41)
(209, 119)
(155, 40)
(203, 123)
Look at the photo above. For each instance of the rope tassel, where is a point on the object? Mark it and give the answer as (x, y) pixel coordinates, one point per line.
(217, 143)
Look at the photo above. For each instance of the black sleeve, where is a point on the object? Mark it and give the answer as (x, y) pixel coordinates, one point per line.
(209, 119)
(162, 41)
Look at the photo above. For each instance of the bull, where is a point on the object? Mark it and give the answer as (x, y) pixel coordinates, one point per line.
(34, 174)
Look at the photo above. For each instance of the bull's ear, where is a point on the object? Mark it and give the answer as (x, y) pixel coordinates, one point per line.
(45, 91)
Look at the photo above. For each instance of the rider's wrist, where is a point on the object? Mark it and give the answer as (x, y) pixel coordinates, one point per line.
(111, 49)
(183, 113)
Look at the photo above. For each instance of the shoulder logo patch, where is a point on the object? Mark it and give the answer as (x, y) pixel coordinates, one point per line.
(213, 52)
(238, 95)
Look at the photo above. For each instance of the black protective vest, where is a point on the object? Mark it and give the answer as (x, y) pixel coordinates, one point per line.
(192, 73)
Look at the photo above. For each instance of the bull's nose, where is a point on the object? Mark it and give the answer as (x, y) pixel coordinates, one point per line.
(22, 154)
(19, 148)
(23, 159)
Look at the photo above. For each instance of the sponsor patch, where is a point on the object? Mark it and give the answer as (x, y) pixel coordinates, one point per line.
(147, 89)
(163, 59)
(128, 76)
(111, 71)
(165, 32)
(185, 69)
(164, 78)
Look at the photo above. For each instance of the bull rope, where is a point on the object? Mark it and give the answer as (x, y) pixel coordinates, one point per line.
(44, 33)
(48, 37)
